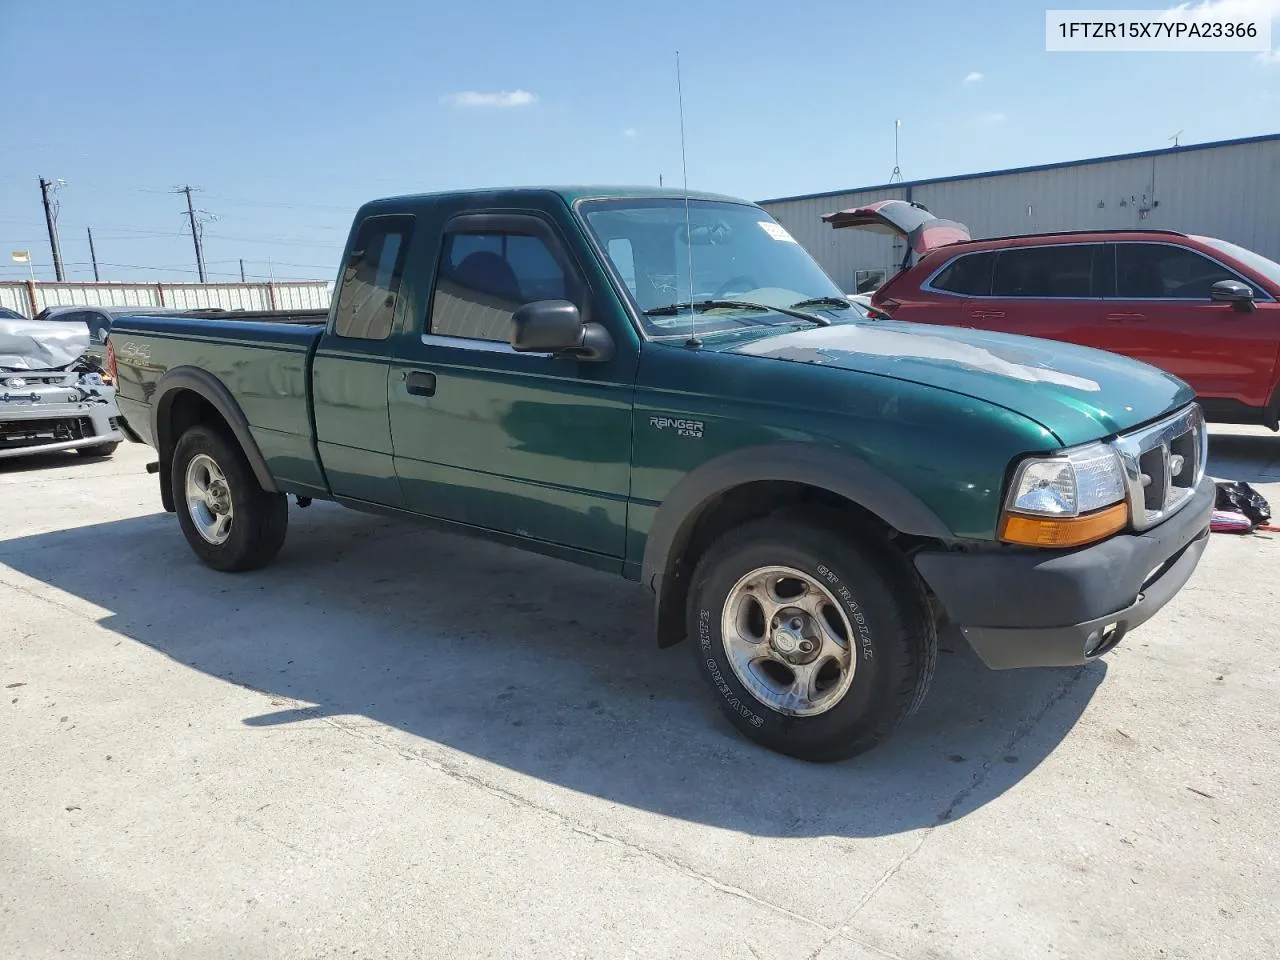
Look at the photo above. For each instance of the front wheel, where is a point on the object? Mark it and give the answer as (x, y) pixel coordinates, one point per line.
(230, 522)
(816, 645)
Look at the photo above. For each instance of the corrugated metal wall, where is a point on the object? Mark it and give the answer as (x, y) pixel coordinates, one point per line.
(1231, 192)
(284, 295)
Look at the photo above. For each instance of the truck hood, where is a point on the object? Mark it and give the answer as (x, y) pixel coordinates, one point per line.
(1077, 393)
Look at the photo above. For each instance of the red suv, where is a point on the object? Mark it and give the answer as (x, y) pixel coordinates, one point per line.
(1205, 310)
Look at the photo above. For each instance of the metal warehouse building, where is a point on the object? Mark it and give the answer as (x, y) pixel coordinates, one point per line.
(1229, 189)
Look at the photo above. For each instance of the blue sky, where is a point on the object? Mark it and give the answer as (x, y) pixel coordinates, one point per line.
(288, 115)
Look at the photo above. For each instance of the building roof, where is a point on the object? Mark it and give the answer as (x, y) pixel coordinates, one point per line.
(907, 184)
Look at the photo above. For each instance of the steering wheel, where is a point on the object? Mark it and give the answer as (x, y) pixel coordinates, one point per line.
(733, 282)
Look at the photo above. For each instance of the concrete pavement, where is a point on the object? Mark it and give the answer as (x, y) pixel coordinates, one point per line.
(397, 743)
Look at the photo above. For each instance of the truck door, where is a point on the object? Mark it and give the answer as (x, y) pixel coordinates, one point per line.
(532, 445)
(349, 376)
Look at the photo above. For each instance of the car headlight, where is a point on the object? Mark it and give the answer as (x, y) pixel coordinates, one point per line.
(1067, 499)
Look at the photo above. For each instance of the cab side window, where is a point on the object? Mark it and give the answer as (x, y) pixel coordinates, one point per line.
(371, 279)
(484, 277)
(1158, 271)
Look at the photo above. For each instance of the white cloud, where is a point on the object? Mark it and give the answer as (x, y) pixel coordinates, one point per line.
(992, 118)
(631, 133)
(503, 98)
(973, 77)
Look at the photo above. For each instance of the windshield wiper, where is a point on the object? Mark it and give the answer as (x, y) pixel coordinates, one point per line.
(840, 302)
(671, 309)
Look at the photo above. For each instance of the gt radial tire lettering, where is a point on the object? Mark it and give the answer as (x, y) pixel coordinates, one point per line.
(855, 611)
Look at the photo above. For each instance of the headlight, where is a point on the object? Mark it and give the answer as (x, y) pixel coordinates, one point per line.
(1075, 482)
(1065, 500)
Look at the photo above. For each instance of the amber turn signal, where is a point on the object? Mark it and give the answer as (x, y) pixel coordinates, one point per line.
(1064, 531)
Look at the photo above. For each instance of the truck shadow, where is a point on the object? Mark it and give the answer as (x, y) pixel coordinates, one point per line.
(541, 667)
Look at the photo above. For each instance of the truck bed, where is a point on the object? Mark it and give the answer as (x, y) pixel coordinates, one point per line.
(262, 358)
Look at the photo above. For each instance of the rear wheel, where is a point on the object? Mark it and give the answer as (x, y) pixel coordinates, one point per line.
(815, 644)
(230, 522)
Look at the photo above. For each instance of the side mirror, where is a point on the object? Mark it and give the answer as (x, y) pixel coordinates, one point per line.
(555, 326)
(1239, 295)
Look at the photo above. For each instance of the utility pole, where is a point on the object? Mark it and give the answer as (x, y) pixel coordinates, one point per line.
(93, 255)
(196, 229)
(242, 270)
(51, 220)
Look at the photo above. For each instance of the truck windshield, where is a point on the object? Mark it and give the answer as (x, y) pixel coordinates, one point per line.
(738, 252)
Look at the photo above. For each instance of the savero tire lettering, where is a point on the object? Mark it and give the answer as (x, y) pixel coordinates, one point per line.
(682, 427)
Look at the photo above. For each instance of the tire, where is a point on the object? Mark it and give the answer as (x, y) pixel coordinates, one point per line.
(101, 450)
(861, 588)
(257, 520)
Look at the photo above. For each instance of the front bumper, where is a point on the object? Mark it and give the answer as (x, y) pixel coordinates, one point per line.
(1037, 608)
(48, 427)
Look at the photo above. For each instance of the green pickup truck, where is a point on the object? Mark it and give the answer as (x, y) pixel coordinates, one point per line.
(667, 387)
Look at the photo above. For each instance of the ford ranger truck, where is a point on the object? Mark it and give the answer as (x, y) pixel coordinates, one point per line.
(679, 395)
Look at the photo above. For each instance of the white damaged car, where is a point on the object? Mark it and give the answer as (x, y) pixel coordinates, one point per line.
(52, 395)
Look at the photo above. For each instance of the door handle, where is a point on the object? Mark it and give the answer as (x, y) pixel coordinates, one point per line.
(421, 384)
(987, 314)
(1121, 317)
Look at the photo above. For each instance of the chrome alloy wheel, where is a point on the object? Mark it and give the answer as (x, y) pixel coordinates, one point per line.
(788, 640)
(209, 499)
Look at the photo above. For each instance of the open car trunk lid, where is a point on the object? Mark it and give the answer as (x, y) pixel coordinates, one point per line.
(921, 229)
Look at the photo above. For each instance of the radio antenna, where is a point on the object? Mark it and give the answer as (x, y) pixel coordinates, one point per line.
(693, 340)
(896, 176)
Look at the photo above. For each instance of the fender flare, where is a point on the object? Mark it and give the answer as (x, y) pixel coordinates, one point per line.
(210, 388)
(826, 468)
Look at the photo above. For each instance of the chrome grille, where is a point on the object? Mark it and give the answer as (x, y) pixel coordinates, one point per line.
(1163, 465)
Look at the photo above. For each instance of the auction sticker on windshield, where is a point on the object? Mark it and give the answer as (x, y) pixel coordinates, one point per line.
(775, 231)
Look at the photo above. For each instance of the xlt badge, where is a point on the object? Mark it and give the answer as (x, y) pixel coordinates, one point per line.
(682, 427)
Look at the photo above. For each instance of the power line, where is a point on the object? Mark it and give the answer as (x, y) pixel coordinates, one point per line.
(289, 241)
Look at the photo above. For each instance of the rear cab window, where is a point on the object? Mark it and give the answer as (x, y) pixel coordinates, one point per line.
(370, 285)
